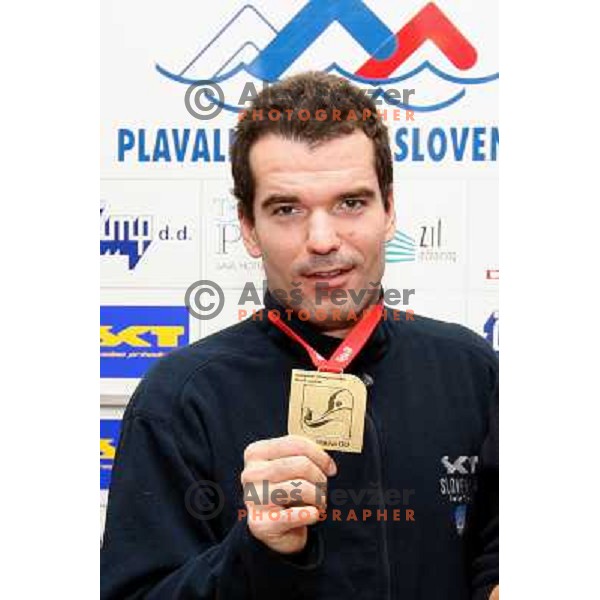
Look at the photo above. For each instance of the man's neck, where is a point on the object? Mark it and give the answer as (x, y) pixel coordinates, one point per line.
(332, 329)
(343, 329)
(337, 333)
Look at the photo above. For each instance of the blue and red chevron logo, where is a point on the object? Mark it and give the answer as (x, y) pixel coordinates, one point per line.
(388, 50)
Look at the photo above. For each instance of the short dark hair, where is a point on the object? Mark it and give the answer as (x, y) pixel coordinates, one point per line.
(346, 109)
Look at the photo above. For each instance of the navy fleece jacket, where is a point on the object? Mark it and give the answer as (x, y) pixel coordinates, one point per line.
(431, 434)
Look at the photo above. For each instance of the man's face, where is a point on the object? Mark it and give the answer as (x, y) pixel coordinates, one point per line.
(319, 221)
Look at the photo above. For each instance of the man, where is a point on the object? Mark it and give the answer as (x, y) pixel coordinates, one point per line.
(210, 496)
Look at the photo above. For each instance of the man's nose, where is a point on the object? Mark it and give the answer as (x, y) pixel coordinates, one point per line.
(322, 234)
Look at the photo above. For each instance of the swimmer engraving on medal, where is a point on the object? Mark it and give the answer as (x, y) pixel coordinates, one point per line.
(335, 415)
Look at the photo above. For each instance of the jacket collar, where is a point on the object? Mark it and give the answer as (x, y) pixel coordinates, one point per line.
(372, 351)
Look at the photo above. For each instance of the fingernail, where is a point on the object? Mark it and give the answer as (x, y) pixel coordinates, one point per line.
(332, 469)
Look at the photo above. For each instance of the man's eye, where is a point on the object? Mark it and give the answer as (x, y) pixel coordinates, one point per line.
(286, 209)
(353, 203)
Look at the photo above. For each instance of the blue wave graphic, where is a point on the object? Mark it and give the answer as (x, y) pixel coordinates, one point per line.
(187, 81)
(424, 66)
(334, 67)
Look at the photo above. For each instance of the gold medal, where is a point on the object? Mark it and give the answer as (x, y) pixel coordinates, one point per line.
(328, 408)
(328, 405)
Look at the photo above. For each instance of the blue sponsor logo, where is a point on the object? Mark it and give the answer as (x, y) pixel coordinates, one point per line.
(477, 144)
(125, 235)
(238, 67)
(491, 330)
(109, 439)
(134, 337)
(387, 50)
(429, 247)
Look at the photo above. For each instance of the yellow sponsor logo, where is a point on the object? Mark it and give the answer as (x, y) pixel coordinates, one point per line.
(107, 449)
(167, 336)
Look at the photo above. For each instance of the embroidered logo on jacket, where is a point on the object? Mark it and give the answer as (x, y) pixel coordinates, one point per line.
(458, 483)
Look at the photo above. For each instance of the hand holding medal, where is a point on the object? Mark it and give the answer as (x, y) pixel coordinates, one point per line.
(291, 467)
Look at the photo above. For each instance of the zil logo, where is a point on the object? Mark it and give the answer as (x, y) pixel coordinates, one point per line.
(233, 60)
(109, 438)
(429, 247)
(401, 248)
(125, 235)
(431, 235)
(134, 337)
(491, 330)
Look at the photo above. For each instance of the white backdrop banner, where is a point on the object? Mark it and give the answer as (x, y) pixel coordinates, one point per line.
(167, 216)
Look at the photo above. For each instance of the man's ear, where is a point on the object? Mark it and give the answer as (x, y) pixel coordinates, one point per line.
(249, 235)
(390, 219)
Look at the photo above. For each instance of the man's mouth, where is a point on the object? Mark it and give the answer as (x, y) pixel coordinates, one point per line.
(328, 275)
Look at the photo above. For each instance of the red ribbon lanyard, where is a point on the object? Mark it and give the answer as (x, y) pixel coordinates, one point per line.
(350, 346)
